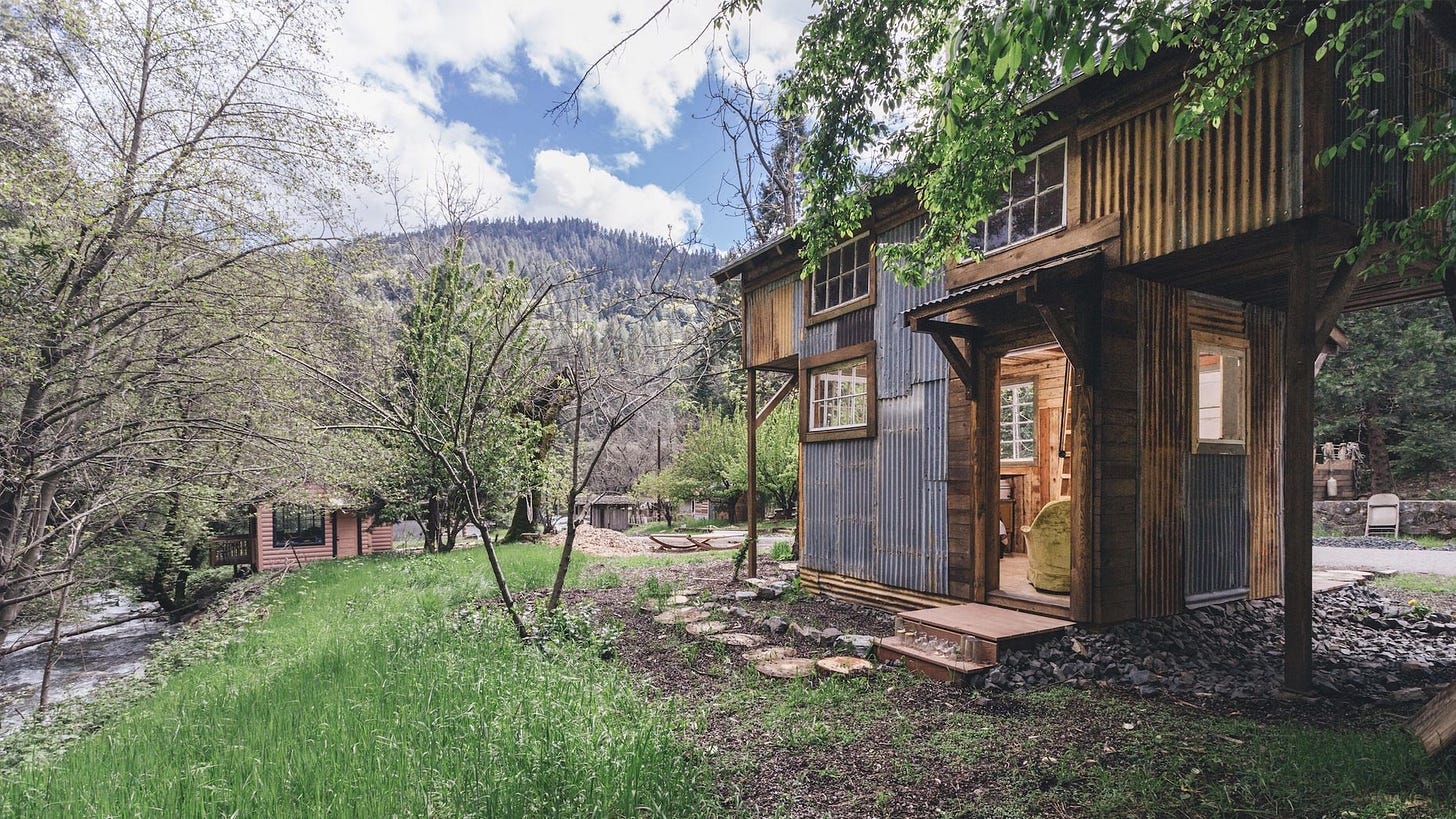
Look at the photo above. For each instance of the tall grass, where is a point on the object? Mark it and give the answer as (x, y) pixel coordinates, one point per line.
(362, 695)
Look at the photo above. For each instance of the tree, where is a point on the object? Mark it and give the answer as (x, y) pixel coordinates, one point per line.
(160, 159)
(712, 463)
(930, 96)
(1393, 391)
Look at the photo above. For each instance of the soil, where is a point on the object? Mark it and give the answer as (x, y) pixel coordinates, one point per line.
(895, 748)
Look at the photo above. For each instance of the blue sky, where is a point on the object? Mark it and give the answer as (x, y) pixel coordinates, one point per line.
(465, 87)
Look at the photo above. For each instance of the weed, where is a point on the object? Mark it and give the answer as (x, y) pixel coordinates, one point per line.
(783, 550)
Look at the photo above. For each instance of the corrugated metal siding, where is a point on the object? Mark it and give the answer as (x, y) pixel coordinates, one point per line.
(910, 530)
(1216, 550)
(905, 358)
(839, 506)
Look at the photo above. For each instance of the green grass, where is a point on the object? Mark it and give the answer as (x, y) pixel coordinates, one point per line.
(1427, 583)
(363, 695)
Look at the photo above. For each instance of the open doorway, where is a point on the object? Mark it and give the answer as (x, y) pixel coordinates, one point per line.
(1035, 490)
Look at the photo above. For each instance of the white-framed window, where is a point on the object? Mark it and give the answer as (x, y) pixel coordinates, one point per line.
(1035, 202)
(844, 277)
(1221, 394)
(839, 396)
(1018, 422)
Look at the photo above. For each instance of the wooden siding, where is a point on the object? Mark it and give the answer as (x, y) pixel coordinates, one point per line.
(1113, 572)
(1240, 177)
(270, 557)
(770, 328)
(1430, 67)
(378, 537)
(1266, 451)
(1164, 357)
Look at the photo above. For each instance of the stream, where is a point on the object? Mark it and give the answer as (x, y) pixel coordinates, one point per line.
(86, 661)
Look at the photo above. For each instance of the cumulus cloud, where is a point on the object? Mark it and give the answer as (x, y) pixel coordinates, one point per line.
(568, 184)
(398, 53)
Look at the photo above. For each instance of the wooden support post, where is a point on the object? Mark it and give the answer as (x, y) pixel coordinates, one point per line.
(1299, 354)
(752, 560)
(985, 475)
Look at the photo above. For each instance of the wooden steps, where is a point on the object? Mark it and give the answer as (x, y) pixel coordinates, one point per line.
(949, 642)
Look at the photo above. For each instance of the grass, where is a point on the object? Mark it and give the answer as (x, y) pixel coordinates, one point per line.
(363, 694)
(1427, 583)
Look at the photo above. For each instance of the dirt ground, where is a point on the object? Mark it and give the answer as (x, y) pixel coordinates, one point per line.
(898, 745)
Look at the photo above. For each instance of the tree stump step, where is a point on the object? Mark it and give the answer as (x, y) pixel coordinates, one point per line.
(786, 668)
(737, 639)
(680, 615)
(769, 653)
(706, 627)
(844, 666)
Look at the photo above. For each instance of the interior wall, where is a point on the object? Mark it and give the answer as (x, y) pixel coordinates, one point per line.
(1037, 482)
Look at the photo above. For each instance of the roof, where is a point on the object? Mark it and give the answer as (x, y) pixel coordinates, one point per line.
(609, 499)
(993, 287)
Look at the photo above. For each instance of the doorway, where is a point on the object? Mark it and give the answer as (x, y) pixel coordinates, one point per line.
(1035, 481)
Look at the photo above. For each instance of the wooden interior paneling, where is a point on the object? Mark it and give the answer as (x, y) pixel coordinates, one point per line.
(1041, 479)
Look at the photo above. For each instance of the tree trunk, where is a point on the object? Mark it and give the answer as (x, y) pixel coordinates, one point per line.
(1448, 285)
(432, 525)
(53, 652)
(538, 511)
(520, 521)
(1381, 479)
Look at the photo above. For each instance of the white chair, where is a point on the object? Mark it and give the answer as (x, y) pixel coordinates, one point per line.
(1382, 515)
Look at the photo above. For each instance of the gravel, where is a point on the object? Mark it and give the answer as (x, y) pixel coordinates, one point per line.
(1366, 542)
(1369, 648)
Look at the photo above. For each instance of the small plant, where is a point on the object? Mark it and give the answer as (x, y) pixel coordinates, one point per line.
(564, 626)
(1418, 610)
(740, 557)
(783, 550)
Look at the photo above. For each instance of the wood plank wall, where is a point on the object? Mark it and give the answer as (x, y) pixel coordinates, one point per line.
(959, 545)
(1164, 359)
(1243, 176)
(770, 325)
(1266, 451)
(1112, 575)
(1430, 66)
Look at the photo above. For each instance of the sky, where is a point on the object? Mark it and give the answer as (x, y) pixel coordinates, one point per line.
(464, 87)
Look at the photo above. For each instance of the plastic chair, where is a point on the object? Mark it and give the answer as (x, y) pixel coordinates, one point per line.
(1382, 515)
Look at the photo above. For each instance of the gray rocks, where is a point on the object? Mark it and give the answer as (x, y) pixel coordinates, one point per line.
(1368, 648)
(776, 625)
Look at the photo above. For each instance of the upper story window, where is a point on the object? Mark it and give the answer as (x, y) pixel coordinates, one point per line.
(1034, 203)
(1221, 394)
(1018, 422)
(295, 525)
(845, 277)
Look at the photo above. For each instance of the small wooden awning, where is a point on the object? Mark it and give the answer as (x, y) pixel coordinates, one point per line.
(1053, 286)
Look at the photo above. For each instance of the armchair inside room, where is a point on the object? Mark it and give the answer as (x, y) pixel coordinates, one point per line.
(1049, 548)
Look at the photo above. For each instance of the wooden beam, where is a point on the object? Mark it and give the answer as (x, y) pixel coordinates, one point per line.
(1062, 321)
(948, 328)
(962, 365)
(778, 398)
(751, 563)
(1299, 355)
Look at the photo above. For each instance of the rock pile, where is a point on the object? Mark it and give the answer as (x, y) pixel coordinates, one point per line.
(1367, 649)
(1371, 542)
(603, 542)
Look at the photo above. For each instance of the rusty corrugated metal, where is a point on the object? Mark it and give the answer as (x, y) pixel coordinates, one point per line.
(905, 358)
(910, 532)
(1216, 538)
(839, 506)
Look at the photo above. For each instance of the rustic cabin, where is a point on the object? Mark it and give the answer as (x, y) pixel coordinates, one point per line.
(606, 510)
(1108, 416)
(282, 534)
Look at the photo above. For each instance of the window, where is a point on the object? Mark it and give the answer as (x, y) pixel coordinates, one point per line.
(295, 525)
(839, 396)
(1033, 204)
(845, 277)
(1221, 390)
(1018, 422)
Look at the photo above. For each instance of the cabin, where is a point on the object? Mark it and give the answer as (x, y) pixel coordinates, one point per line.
(606, 510)
(1108, 416)
(287, 534)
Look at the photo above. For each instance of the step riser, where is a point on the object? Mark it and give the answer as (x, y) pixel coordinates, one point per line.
(923, 668)
(968, 646)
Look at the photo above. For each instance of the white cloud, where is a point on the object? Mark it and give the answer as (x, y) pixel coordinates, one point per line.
(568, 184)
(401, 51)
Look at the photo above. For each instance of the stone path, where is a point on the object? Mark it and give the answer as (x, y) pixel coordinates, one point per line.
(1400, 560)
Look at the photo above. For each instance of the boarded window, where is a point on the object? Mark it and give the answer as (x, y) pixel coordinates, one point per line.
(1018, 422)
(843, 278)
(295, 525)
(1034, 202)
(1222, 397)
(839, 396)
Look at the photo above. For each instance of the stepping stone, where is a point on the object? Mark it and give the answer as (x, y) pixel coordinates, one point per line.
(680, 615)
(737, 639)
(844, 666)
(653, 604)
(758, 655)
(706, 627)
(786, 668)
